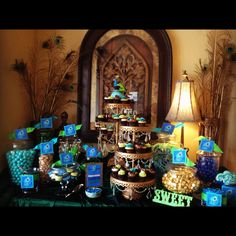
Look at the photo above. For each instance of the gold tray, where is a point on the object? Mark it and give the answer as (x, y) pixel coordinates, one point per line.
(128, 184)
(148, 155)
(136, 128)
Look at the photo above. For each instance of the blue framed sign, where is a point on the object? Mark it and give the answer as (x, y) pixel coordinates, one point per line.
(27, 181)
(46, 123)
(70, 130)
(167, 128)
(66, 158)
(179, 156)
(21, 134)
(46, 148)
(94, 174)
(206, 145)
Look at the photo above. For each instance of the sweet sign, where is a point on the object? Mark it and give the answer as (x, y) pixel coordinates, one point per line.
(172, 199)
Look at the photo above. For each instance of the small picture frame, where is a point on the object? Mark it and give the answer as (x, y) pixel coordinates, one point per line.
(167, 128)
(66, 158)
(94, 174)
(206, 145)
(179, 156)
(46, 123)
(21, 134)
(27, 181)
(46, 148)
(70, 130)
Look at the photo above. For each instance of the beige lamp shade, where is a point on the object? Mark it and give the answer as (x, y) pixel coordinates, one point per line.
(184, 106)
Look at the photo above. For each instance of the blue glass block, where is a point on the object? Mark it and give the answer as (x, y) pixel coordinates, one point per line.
(21, 134)
(46, 123)
(167, 128)
(70, 130)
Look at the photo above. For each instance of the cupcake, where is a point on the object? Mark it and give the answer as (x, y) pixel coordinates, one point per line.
(142, 175)
(121, 174)
(149, 147)
(103, 130)
(122, 116)
(121, 147)
(116, 116)
(116, 99)
(100, 117)
(110, 99)
(132, 176)
(123, 121)
(106, 99)
(124, 100)
(132, 122)
(141, 121)
(151, 172)
(129, 148)
(114, 171)
(138, 148)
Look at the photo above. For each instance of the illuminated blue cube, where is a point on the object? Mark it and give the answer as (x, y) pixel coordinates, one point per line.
(229, 191)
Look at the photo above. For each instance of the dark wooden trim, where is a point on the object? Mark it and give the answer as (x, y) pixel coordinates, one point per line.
(84, 81)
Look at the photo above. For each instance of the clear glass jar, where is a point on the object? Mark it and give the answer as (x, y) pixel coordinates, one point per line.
(207, 165)
(181, 179)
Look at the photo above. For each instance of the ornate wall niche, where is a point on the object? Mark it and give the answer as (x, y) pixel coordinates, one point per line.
(152, 53)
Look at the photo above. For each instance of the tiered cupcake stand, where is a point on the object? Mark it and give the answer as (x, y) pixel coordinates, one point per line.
(108, 143)
(133, 190)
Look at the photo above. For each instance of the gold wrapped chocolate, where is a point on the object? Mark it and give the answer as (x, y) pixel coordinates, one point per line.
(181, 180)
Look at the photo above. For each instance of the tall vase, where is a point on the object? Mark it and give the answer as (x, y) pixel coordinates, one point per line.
(209, 128)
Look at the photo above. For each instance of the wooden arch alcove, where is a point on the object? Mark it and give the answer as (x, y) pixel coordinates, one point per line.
(88, 45)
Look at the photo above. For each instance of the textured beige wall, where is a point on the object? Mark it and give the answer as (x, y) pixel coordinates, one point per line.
(14, 113)
(188, 46)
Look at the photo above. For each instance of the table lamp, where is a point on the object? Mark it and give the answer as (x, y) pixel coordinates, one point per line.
(184, 107)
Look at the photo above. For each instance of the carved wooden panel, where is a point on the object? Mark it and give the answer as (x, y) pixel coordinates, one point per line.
(125, 59)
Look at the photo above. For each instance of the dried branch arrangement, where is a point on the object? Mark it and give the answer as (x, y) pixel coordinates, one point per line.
(214, 78)
(48, 75)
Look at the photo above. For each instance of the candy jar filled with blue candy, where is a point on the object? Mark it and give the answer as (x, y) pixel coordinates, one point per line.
(207, 165)
(18, 162)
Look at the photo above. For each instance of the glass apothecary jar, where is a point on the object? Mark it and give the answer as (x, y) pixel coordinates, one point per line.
(181, 179)
(207, 165)
(162, 157)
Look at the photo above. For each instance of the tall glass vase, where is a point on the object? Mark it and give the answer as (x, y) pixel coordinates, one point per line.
(209, 128)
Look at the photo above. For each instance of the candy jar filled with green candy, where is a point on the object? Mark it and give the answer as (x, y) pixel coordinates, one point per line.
(18, 162)
(162, 157)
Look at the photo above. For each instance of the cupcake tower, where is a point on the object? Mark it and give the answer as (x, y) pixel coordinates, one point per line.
(133, 172)
(116, 107)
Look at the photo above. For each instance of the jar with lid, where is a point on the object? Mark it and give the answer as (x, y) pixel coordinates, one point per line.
(207, 164)
(162, 152)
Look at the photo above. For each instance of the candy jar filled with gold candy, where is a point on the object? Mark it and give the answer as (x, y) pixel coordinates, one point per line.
(207, 165)
(45, 162)
(181, 179)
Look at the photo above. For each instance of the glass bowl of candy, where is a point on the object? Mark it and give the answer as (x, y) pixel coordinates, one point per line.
(93, 192)
(181, 179)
